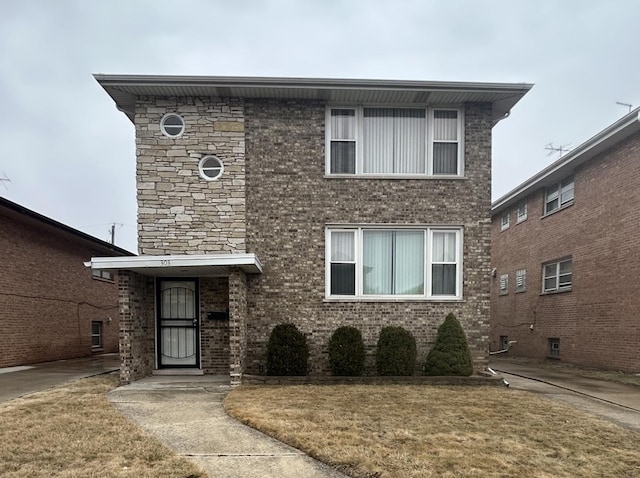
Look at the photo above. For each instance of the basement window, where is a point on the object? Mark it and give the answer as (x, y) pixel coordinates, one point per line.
(554, 347)
(172, 125)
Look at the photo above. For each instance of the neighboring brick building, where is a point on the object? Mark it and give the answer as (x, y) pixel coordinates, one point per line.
(318, 202)
(566, 258)
(52, 307)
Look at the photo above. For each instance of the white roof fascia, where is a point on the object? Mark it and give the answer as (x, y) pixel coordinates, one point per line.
(175, 261)
(603, 140)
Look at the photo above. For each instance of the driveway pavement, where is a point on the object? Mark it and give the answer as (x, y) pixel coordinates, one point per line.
(18, 381)
(186, 413)
(613, 401)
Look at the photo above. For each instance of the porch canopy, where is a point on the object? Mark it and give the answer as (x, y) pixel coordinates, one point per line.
(209, 265)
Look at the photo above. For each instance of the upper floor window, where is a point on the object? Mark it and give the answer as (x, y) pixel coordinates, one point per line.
(384, 262)
(504, 220)
(504, 284)
(172, 125)
(521, 215)
(557, 276)
(394, 141)
(558, 195)
(521, 280)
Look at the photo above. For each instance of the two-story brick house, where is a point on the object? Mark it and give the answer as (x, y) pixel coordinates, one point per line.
(565, 256)
(51, 306)
(313, 201)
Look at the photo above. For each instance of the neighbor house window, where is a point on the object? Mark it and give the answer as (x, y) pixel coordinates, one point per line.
(172, 125)
(554, 347)
(521, 215)
(394, 141)
(504, 342)
(373, 262)
(504, 221)
(558, 195)
(521, 280)
(504, 284)
(96, 334)
(557, 276)
(102, 275)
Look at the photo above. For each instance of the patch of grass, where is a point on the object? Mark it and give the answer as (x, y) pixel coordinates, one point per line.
(73, 431)
(435, 431)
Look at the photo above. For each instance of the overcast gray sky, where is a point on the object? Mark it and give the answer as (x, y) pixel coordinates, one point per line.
(70, 154)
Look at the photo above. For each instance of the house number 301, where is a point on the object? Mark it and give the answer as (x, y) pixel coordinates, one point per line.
(165, 262)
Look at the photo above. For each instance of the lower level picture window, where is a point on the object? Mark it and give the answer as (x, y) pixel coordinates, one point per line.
(96, 334)
(380, 262)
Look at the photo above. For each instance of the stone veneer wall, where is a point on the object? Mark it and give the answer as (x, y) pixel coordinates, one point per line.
(289, 203)
(238, 317)
(178, 211)
(214, 334)
(137, 326)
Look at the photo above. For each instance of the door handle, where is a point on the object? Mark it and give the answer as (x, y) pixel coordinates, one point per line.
(195, 322)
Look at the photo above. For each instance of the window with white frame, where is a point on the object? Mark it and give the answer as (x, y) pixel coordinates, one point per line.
(557, 276)
(376, 262)
(521, 280)
(558, 195)
(394, 141)
(521, 214)
(504, 284)
(504, 220)
(96, 334)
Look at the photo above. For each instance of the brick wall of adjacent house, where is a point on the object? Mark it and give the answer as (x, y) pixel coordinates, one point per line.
(597, 321)
(48, 298)
(290, 202)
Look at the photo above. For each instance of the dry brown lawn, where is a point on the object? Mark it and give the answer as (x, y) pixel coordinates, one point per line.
(73, 431)
(428, 431)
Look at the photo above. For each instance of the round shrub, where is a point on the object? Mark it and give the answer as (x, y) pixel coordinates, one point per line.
(287, 351)
(450, 354)
(396, 353)
(346, 352)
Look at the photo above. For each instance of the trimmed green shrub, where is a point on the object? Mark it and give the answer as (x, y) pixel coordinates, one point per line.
(287, 351)
(346, 352)
(396, 353)
(450, 354)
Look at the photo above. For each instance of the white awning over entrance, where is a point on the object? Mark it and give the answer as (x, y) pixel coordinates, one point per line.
(210, 265)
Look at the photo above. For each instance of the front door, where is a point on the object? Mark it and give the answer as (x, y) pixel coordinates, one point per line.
(178, 323)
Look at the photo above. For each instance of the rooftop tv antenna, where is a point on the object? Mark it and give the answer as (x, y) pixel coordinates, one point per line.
(4, 180)
(557, 149)
(628, 105)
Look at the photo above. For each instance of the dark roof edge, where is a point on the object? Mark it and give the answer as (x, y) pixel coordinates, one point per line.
(604, 139)
(58, 225)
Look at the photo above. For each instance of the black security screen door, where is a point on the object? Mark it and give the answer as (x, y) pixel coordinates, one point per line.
(178, 323)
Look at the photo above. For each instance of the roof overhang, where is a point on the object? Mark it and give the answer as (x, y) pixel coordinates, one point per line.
(607, 138)
(211, 265)
(124, 89)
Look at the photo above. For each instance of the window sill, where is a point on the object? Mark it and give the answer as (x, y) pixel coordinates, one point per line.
(561, 208)
(503, 294)
(502, 229)
(108, 281)
(97, 349)
(559, 291)
(394, 176)
(389, 299)
(521, 291)
(520, 221)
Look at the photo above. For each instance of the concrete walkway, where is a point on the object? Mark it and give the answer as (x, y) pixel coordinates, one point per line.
(186, 414)
(19, 381)
(613, 401)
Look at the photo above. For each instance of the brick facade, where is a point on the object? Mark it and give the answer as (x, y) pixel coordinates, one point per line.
(597, 321)
(48, 298)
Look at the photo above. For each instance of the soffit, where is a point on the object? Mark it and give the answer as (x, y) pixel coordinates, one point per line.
(124, 89)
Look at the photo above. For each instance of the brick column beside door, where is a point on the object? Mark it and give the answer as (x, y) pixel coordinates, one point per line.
(237, 324)
(137, 326)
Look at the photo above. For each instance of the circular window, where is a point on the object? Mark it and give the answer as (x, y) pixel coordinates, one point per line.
(172, 125)
(211, 168)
